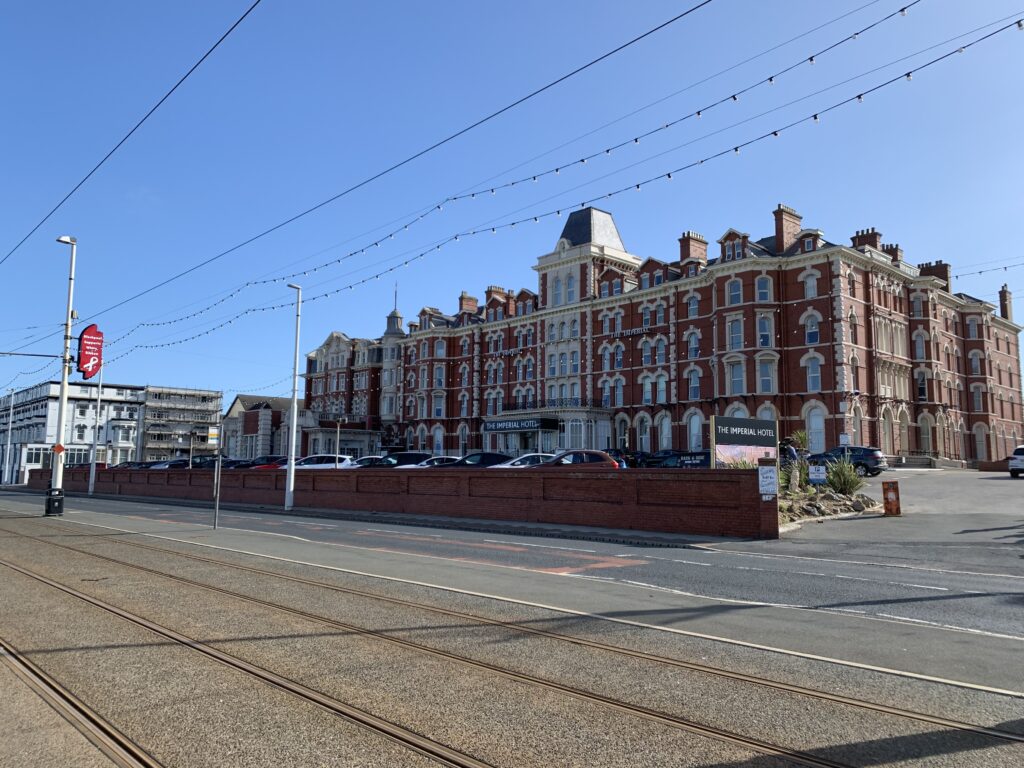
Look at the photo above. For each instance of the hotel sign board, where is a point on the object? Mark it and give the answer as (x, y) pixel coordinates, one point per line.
(743, 440)
(521, 425)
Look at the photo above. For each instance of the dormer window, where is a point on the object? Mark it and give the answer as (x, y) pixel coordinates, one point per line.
(692, 270)
(616, 287)
(645, 280)
(604, 290)
(499, 313)
(658, 277)
(738, 250)
(728, 251)
(808, 244)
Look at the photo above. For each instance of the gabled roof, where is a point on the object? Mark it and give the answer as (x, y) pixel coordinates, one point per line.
(732, 233)
(259, 403)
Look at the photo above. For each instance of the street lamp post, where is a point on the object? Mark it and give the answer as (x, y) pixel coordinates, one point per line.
(55, 500)
(289, 488)
(7, 450)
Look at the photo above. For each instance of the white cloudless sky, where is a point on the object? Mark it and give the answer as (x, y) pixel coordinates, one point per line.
(307, 98)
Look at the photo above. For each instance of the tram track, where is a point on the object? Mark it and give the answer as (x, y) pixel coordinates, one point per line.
(440, 753)
(825, 696)
(116, 746)
(794, 755)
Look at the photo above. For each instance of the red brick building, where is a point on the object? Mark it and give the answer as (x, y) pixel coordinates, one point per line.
(615, 350)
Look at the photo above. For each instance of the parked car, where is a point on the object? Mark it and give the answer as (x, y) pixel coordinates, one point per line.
(655, 459)
(280, 463)
(399, 459)
(235, 463)
(866, 460)
(204, 462)
(580, 459)
(433, 461)
(366, 461)
(622, 455)
(258, 461)
(480, 459)
(524, 461)
(1016, 461)
(686, 460)
(324, 461)
(171, 464)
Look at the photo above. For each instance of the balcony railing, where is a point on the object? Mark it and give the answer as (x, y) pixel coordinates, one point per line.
(533, 404)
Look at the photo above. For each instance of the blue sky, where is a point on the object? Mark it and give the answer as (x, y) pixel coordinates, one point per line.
(306, 98)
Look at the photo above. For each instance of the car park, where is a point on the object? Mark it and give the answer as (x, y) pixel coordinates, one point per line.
(524, 461)
(433, 461)
(685, 460)
(324, 461)
(1016, 461)
(258, 461)
(866, 460)
(480, 459)
(581, 459)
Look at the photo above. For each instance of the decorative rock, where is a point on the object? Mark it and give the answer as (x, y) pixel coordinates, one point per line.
(858, 506)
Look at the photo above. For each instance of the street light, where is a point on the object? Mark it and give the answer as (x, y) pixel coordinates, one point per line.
(55, 498)
(289, 483)
(7, 450)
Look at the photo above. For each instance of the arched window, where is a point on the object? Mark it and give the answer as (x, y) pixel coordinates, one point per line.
(695, 432)
(606, 359)
(919, 348)
(692, 306)
(816, 430)
(811, 333)
(574, 329)
(645, 351)
(661, 352)
(664, 426)
(810, 287)
(853, 329)
(438, 376)
(645, 317)
(529, 368)
(618, 356)
(851, 285)
(643, 434)
(618, 393)
(606, 394)
(561, 331)
(764, 288)
(693, 346)
(439, 348)
(570, 289)
(563, 364)
(661, 389)
(693, 385)
(424, 349)
(557, 291)
(813, 375)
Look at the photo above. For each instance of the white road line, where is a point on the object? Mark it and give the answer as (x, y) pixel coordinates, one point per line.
(861, 562)
(588, 615)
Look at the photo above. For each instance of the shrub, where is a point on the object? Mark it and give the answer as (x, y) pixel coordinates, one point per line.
(799, 439)
(842, 478)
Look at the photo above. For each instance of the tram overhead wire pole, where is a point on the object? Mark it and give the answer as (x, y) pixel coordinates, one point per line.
(293, 420)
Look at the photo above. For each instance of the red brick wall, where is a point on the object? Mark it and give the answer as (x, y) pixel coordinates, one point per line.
(705, 502)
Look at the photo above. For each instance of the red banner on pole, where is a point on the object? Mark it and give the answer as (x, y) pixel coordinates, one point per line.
(90, 351)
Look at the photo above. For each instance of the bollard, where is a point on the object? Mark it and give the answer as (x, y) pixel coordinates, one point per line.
(891, 498)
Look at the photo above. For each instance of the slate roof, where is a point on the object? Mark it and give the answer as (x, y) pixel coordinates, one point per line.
(592, 225)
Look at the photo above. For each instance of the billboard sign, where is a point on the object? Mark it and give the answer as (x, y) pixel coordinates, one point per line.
(90, 351)
(736, 441)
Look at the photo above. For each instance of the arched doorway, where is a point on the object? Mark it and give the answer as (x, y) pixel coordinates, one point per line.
(980, 442)
(643, 433)
(924, 433)
(904, 446)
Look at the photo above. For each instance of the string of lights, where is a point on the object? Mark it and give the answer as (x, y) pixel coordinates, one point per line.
(238, 390)
(1003, 268)
(665, 176)
(555, 170)
(132, 131)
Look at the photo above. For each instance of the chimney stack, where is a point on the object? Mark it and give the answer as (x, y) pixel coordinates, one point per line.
(1005, 303)
(939, 269)
(787, 227)
(868, 237)
(693, 246)
(894, 251)
(467, 303)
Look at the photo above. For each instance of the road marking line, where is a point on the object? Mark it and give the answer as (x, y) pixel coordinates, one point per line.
(862, 562)
(585, 614)
(547, 546)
